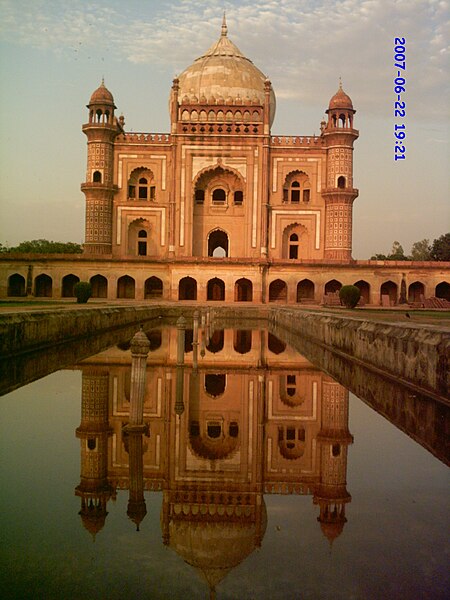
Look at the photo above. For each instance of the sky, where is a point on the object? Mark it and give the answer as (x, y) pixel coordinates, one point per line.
(54, 53)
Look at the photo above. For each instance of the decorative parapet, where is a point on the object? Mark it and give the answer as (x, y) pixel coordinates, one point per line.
(296, 141)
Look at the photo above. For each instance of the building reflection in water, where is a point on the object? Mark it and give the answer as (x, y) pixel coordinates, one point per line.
(254, 418)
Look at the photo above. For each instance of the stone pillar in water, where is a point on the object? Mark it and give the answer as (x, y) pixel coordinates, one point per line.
(136, 501)
(181, 332)
(140, 347)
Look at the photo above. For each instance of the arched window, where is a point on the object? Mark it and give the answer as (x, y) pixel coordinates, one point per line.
(293, 246)
(141, 185)
(97, 177)
(238, 197)
(219, 196)
(341, 182)
(142, 243)
(199, 196)
(295, 192)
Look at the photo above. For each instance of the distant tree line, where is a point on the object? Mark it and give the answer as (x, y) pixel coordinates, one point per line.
(44, 247)
(438, 250)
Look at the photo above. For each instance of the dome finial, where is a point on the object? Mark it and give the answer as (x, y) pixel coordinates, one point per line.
(224, 25)
(103, 81)
(340, 83)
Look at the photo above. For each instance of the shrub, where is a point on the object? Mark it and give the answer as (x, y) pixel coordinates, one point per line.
(83, 291)
(349, 295)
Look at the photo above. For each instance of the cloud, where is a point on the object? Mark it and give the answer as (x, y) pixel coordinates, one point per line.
(304, 47)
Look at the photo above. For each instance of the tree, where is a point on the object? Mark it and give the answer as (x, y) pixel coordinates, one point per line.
(83, 291)
(421, 250)
(45, 247)
(397, 253)
(349, 295)
(440, 250)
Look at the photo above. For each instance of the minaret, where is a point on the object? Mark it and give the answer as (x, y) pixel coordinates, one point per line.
(93, 432)
(333, 440)
(101, 131)
(339, 193)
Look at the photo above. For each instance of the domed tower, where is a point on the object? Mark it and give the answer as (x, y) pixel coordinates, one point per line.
(339, 192)
(101, 131)
(333, 439)
(222, 90)
(93, 432)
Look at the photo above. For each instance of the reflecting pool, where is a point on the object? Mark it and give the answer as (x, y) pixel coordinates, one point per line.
(256, 474)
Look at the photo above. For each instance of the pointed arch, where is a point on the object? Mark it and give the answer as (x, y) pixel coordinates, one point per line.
(16, 285)
(68, 285)
(99, 285)
(43, 286)
(218, 243)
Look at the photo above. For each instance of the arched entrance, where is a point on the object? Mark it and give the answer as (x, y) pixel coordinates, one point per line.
(187, 289)
(153, 288)
(278, 291)
(443, 290)
(333, 286)
(275, 345)
(364, 288)
(215, 289)
(242, 341)
(126, 287)
(243, 290)
(218, 244)
(416, 292)
(99, 285)
(16, 285)
(389, 293)
(305, 291)
(43, 286)
(216, 341)
(68, 285)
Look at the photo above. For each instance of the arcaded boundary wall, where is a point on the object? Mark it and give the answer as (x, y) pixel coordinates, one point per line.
(412, 353)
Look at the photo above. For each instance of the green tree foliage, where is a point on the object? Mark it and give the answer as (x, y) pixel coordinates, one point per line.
(440, 250)
(83, 291)
(421, 250)
(44, 247)
(397, 253)
(349, 295)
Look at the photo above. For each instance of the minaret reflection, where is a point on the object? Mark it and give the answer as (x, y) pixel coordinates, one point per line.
(93, 432)
(333, 438)
(244, 417)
